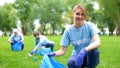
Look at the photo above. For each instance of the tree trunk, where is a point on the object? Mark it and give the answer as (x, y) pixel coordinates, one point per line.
(110, 33)
(118, 30)
(53, 32)
(5, 33)
(24, 29)
(43, 31)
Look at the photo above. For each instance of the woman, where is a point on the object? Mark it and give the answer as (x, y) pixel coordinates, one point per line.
(85, 41)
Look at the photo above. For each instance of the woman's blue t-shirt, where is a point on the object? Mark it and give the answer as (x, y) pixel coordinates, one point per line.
(79, 37)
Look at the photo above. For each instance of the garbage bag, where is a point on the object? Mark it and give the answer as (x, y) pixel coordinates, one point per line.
(17, 46)
(44, 51)
(49, 62)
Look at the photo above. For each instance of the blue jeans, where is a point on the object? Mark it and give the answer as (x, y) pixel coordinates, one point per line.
(51, 45)
(91, 60)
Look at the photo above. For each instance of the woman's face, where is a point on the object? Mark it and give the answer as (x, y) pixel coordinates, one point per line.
(79, 17)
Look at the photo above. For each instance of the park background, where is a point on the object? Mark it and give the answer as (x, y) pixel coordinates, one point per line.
(51, 18)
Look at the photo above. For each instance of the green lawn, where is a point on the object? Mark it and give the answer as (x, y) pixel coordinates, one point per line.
(109, 53)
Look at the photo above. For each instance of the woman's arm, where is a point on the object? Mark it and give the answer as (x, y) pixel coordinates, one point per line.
(95, 44)
(61, 52)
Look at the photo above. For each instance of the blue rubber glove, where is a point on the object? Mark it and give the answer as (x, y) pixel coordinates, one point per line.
(80, 57)
(51, 54)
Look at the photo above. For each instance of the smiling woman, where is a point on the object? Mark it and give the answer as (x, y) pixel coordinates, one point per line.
(84, 38)
(2, 2)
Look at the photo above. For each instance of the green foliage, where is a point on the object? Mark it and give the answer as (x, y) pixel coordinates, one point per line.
(111, 25)
(112, 10)
(50, 12)
(55, 14)
(7, 18)
(23, 8)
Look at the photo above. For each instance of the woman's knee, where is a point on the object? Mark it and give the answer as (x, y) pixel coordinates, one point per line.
(93, 59)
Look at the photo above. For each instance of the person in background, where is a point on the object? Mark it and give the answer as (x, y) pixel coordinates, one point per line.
(41, 41)
(84, 37)
(15, 38)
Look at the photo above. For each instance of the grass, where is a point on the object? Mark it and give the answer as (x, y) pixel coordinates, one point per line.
(109, 53)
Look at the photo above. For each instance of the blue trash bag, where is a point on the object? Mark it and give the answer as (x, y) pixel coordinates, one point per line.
(17, 46)
(49, 62)
(44, 51)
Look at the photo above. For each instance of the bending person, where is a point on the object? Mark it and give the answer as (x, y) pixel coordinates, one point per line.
(16, 39)
(41, 41)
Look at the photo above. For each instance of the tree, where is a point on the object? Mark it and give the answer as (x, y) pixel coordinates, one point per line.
(110, 23)
(7, 19)
(24, 9)
(112, 10)
(49, 12)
